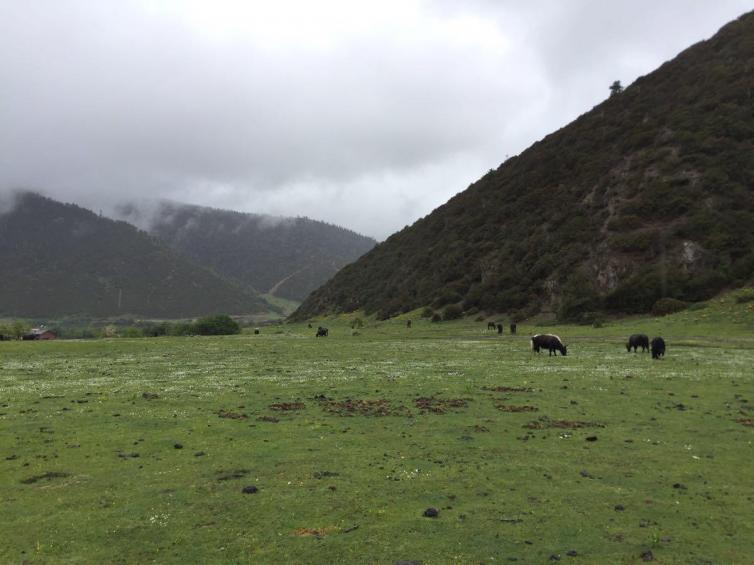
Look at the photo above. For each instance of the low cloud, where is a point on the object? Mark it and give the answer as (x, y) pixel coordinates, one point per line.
(368, 117)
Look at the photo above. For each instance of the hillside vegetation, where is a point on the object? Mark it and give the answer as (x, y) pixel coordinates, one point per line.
(59, 259)
(648, 195)
(285, 257)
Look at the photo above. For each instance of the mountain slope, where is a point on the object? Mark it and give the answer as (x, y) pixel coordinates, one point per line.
(650, 194)
(59, 259)
(286, 257)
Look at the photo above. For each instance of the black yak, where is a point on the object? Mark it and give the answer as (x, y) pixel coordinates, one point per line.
(322, 332)
(408, 323)
(513, 328)
(500, 328)
(547, 341)
(658, 347)
(491, 326)
(636, 341)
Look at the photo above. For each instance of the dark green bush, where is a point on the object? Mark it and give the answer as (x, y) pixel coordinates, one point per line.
(446, 297)
(452, 312)
(221, 324)
(745, 296)
(665, 306)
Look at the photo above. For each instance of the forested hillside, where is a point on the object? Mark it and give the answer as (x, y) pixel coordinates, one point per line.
(648, 195)
(287, 257)
(59, 259)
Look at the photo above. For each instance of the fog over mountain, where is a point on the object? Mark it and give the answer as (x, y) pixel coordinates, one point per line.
(366, 115)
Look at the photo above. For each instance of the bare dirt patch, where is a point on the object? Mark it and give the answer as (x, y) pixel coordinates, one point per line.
(363, 407)
(231, 474)
(231, 415)
(746, 421)
(544, 422)
(286, 406)
(315, 532)
(508, 389)
(439, 405)
(268, 419)
(45, 477)
(513, 408)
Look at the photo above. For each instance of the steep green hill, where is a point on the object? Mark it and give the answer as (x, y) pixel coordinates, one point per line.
(59, 259)
(284, 257)
(650, 194)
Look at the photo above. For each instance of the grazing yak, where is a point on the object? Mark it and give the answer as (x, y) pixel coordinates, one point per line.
(547, 341)
(408, 323)
(513, 329)
(322, 332)
(658, 347)
(636, 341)
(500, 328)
(491, 326)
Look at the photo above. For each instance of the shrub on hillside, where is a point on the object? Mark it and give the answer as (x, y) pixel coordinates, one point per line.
(452, 312)
(436, 317)
(221, 324)
(427, 312)
(446, 297)
(665, 306)
(131, 331)
(745, 296)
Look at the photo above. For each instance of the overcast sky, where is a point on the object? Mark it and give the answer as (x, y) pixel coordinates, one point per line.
(364, 114)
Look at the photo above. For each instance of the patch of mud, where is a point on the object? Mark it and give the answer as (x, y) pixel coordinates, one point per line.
(544, 422)
(362, 407)
(439, 405)
(268, 419)
(285, 406)
(746, 421)
(231, 415)
(45, 477)
(512, 408)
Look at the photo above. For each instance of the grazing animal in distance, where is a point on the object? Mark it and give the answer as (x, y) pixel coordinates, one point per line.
(408, 323)
(513, 328)
(658, 347)
(500, 328)
(636, 341)
(548, 341)
(491, 326)
(322, 332)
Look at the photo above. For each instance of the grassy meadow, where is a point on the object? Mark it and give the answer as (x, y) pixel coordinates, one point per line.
(138, 450)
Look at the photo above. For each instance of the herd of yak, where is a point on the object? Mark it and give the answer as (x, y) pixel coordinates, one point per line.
(553, 343)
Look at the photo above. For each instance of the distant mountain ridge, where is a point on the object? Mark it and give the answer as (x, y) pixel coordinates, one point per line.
(649, 195)
(60, 259)
(286, 257)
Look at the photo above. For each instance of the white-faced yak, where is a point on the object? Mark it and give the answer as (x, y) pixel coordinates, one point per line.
(658, 348)
(636, 341)
(547, 341)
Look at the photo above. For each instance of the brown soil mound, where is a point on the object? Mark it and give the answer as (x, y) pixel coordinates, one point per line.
(546, 422)
(439, 405)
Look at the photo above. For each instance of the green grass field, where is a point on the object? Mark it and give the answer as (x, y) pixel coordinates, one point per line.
(350, 438)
